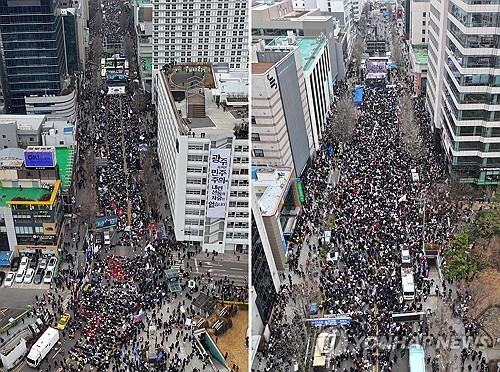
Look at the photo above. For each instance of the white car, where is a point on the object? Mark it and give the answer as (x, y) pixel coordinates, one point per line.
(51, 265)
(43, 264)
(9, 279)
(19, 276)
(24, 264)
(28, 278)
(48, 277)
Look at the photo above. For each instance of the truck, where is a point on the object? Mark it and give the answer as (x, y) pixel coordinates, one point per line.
(408, 284)
(42, 347)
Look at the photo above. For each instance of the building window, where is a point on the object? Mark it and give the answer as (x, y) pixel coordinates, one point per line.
(258, 153)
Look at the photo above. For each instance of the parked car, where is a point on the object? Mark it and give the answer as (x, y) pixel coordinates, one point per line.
(43, 264)
(24, 263)
(63, 322)
(9, 279)
(47, 278)
(51, 265)
(2, 276)
(14, 265)
(34, 262)
(28, 277)
(19, 276)
(37, 279)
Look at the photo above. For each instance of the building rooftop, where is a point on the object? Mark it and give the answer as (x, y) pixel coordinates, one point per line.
(64, 158)
(420, 53)
(11, 156)
(309, 47)
(261, 67)
(8, 194)
(196, 82)
(23, 122)
(263, 6)
(270, 186)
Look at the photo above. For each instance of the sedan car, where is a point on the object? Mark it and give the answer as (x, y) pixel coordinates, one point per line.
(9, 279)
(34, 262)
(24, 263)
(14, 265)
(47, 278)
(63, 322)
(43, 264)
(51, 265)
(38, 276)
(19, 276)
(29, 275)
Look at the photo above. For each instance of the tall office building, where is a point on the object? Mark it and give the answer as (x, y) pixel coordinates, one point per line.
(200, 31)
(32, 50)
(203, 154)
(281, 124)
(462, 86)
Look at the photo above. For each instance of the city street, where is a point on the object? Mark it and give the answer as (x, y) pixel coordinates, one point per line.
(223, 266)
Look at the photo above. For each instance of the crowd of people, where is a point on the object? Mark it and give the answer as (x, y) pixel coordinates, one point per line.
(124, 317)
(376, 209)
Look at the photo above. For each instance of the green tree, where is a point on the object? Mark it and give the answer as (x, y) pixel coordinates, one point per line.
(460, 264)
(487, 221)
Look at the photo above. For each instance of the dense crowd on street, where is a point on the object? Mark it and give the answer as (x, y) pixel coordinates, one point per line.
(123, 315)
(377, 210)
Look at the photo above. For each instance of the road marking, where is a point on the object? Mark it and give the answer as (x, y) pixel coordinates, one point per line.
(57, 352)
(19, 367)
(196, 265)
(235, 268)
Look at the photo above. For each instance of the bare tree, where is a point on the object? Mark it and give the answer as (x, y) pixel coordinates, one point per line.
(139, 102)
(396, 53)
(358, 48)
(408, 128)
(98, 20)
(345, 118)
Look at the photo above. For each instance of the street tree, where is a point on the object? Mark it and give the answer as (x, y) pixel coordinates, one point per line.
(98, 20)
(396, 53)
(460, 264)
(125, 20)
(358, 49)
(345, 117)
(409, 129)
(140, 102)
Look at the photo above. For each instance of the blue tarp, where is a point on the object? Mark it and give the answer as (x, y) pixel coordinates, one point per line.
(5, 257)
(358, 96)
(313, 310)
(392, 66)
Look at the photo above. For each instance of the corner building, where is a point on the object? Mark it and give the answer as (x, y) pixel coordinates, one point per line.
(463, 86)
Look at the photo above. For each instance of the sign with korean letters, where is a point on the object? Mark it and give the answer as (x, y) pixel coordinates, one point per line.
(218, 182)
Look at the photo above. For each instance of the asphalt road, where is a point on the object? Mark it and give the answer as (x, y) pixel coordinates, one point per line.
(221, 267)
(18, 298)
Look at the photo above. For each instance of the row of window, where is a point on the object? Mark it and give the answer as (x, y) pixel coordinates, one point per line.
(30, 230)
(236, 235)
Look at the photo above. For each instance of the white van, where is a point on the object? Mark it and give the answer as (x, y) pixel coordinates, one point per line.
(408, 287)
(107, 238)
(42, 347)
(405, 258)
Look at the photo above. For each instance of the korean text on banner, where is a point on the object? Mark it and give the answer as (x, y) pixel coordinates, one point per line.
(218, 182)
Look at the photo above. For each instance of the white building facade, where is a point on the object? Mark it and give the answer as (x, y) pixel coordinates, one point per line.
(463, 84)
(419, 21)
(186, 157)
(200, 31)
